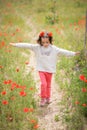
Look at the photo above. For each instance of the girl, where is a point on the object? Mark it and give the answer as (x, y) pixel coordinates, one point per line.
(46, 57)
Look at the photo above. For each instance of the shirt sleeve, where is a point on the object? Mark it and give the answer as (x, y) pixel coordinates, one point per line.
(27, 46)
(61, 51)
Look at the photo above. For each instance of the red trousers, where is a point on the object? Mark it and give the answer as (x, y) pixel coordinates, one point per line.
(45, 78)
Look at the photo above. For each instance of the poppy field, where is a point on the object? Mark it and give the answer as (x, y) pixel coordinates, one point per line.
(17, 89)
(66, 20)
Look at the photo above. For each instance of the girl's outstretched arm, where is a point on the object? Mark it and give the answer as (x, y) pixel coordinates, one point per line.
(25, 45)
(66, 52)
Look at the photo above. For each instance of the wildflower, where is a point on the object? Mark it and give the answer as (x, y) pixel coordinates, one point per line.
(5, 34)
(17, 69)
(9, 81)
(0, 34)
(5, 82)
(17, 30)
(75, 24)
(2, 43)
(84, 90)
(84, 105)
(31, 109)
(23, 87)
(36, 126)
(1, 67)
(31, 88)
(81, 22)
(13, 34)
(9, 4)
(18, 86)
(50, 34)
(76, 29)
(13, 98)
(13, 86)
(3, 93)
(26, 62)
(77, 102)
(41, 34)
(5, 102)
(26, 109)
(85, 80)
(32, 121)
(82, 77)
(22, 93)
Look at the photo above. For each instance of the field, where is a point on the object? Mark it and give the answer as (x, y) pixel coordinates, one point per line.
(21, 21)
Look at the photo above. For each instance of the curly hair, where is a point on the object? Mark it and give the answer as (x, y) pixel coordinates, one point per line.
(45, 35)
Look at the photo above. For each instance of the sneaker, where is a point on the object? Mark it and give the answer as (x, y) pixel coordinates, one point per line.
(43, 101)
(48, 101)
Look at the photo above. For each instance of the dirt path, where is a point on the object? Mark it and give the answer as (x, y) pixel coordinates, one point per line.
(46, 115)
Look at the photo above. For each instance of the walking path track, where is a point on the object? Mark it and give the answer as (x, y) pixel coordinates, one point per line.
(46, 115)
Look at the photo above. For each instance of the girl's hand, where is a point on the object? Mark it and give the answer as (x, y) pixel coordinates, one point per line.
(12, 44)
(77, 53)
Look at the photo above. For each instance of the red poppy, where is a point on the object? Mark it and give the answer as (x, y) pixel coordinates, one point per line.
(13, 34)
(17, 30)
(9, 51)
(36, 126)
(32, 121)
(7, 81)
(41, 34)
(0, 34)
(1, 67)
(31, 88)
(22, 93)
(13, 98)
(26, 109)
(81, 22)
(76, 29)
(77, 102)
(23, 87)
(26, 62)
(13, 86)
(84, 105)
(5, 34)
(14, 83)
(3, 93)
(50, 34)
(84, 90)
(18, 86)
(74, 24)
(2, 43)
(82, 77)
(9, 4)
(31, 109)
(4, 102)
(70, 24)
(85, 80)
(17, 69)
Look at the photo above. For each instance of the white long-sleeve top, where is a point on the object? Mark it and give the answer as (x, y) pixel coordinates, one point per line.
(46, 57)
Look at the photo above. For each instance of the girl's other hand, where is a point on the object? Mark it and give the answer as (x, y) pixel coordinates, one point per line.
(77, 53)
(12, 44)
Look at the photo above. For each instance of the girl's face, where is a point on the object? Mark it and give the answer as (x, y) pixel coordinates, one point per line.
(45, 41)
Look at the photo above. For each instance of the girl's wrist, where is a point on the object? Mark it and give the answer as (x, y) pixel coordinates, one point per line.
(77, 53)
(12, 44)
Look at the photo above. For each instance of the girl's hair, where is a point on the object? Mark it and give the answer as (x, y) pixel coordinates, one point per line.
(45, 35)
